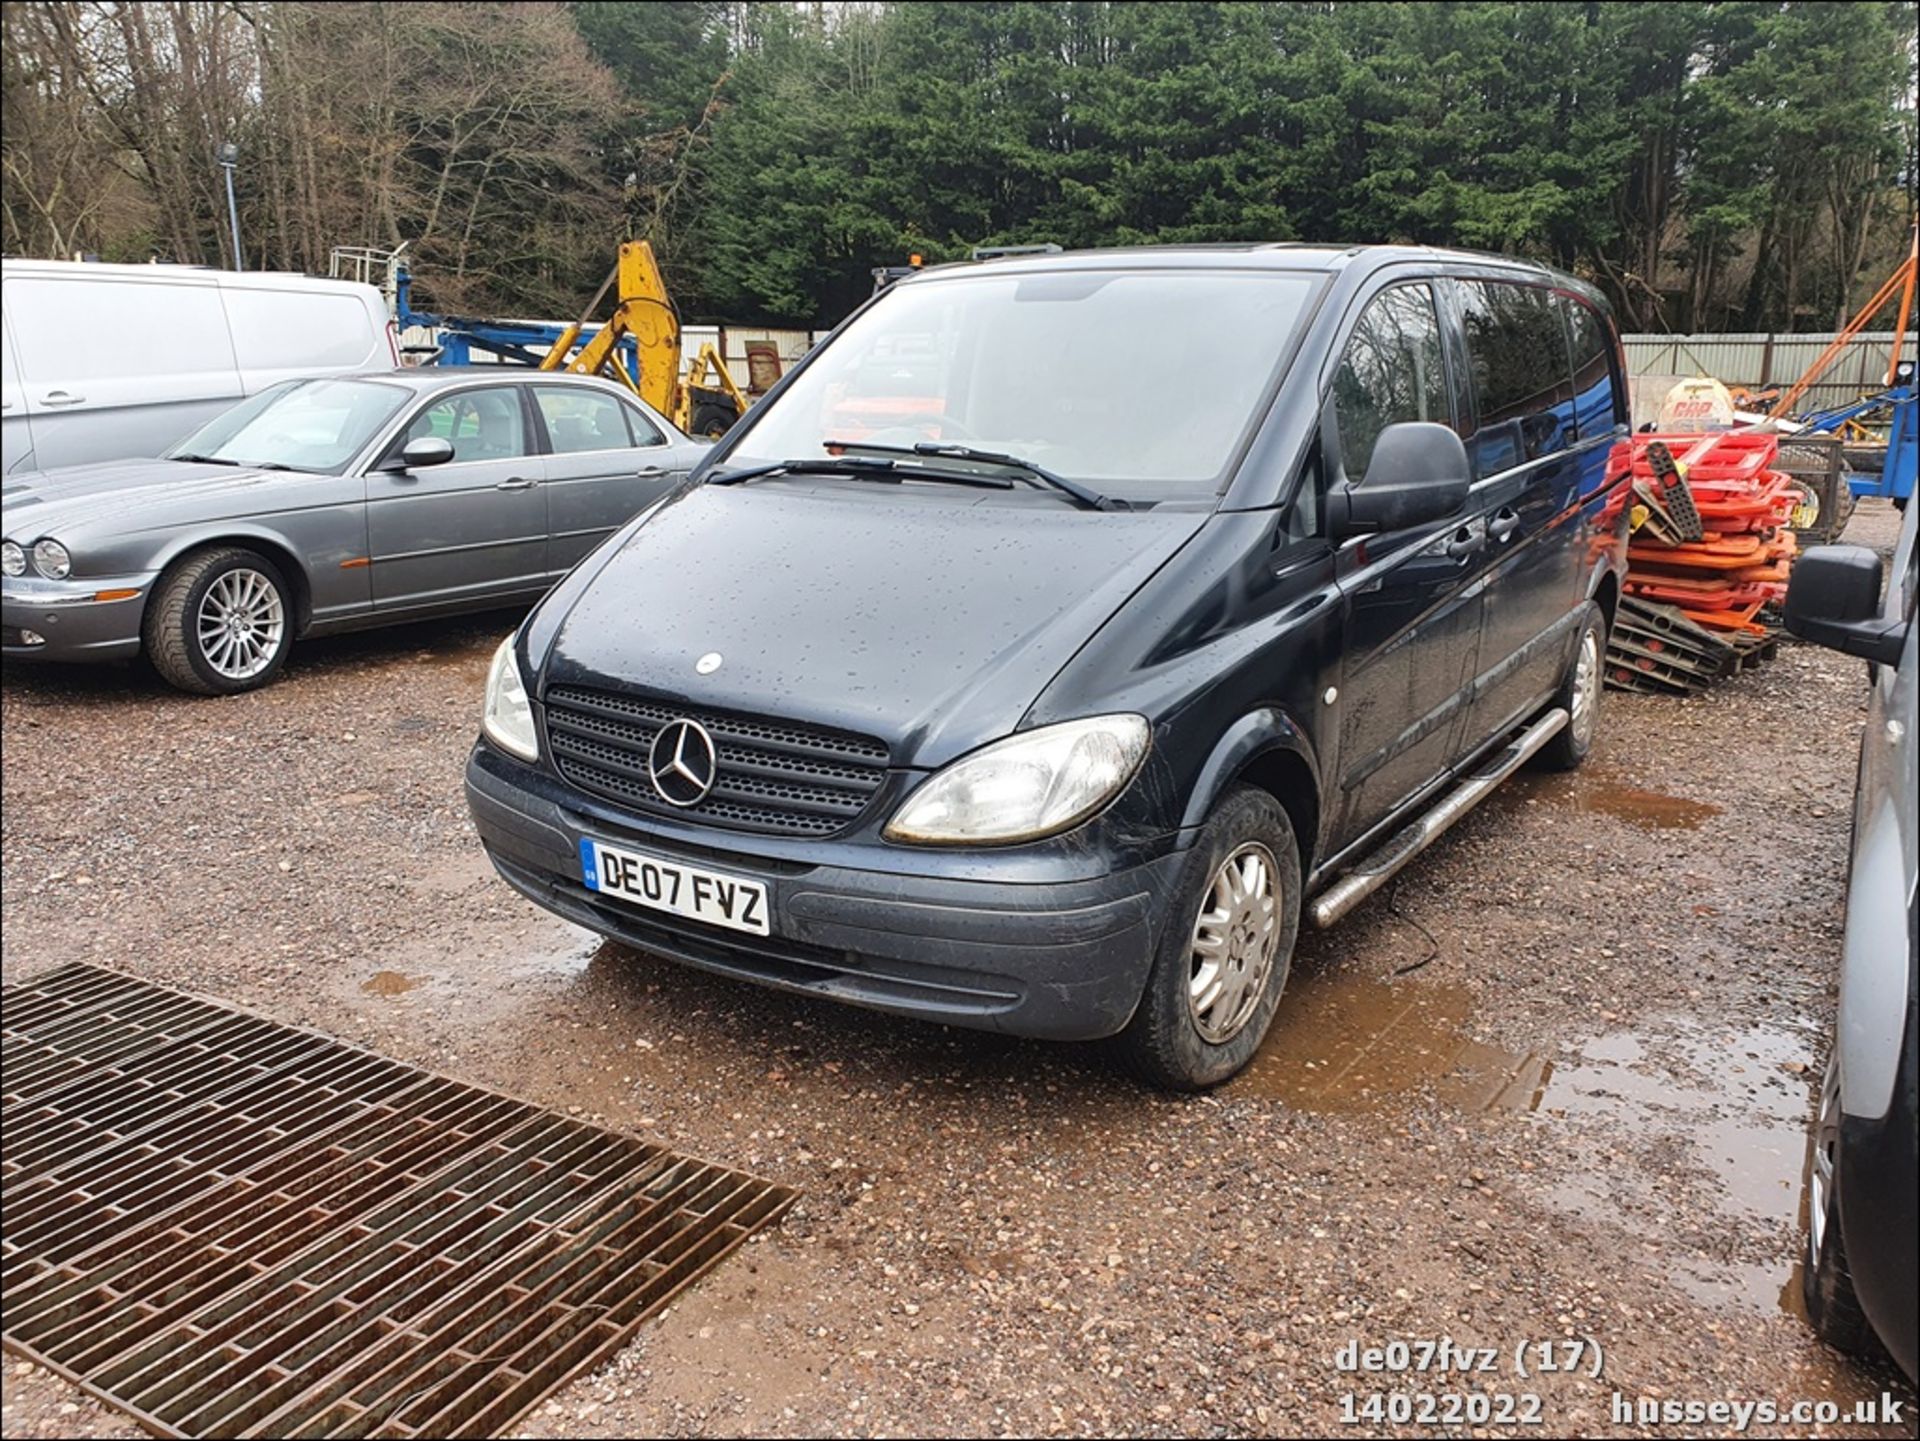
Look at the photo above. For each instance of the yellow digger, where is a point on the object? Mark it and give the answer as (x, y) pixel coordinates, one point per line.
(705, 401)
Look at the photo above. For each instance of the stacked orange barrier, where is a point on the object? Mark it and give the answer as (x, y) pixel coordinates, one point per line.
(1738, 568)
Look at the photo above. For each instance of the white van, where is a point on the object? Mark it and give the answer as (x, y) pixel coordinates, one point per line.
(102, 362)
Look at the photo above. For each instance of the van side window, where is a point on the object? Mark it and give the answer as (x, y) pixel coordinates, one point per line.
(1522, 380)
(1391, 371)
(1595, 404)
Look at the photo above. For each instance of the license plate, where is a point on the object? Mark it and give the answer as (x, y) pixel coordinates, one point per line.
(659, 885)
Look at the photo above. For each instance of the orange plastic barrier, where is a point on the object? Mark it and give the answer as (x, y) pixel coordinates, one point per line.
(1739, 567)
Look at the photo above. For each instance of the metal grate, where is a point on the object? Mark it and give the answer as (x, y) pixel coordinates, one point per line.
(1817, 463)
(774, 776)
(230, 1227)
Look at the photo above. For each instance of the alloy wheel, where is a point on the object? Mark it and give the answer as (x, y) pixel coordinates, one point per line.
(1826, 1147)
(1586, 682)
(241, 623)
(1234, 940)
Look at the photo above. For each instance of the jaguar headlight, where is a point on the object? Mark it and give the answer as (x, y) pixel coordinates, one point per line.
(50, 558)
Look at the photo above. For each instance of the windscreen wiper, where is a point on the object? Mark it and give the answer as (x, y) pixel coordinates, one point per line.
(860, 469)
(203, 459)
(1090, 499)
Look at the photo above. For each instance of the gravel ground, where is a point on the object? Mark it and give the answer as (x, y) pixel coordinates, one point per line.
(1554, 1084)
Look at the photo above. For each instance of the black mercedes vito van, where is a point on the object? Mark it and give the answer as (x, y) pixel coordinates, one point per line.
(1065, 629)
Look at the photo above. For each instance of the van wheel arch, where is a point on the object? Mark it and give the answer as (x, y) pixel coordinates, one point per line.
(1606, 594)
(1288, 777)
(1264, 749)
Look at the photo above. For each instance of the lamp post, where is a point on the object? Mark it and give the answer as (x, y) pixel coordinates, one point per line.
(229, 155)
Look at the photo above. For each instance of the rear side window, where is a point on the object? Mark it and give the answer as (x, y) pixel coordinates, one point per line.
(1391, 371)
(645, 432)
(1522, 384)
(299, 330)
(1596, 408)
(582, 420)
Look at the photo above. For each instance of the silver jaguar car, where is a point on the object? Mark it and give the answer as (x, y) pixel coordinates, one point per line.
(324, 505)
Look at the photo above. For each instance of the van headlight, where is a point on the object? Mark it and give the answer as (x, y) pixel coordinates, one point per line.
(1026, 787)
(508, 717)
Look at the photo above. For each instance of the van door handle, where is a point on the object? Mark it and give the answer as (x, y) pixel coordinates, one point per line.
(515, 482)
(1466, 541)
(61, 397)
(1504, 523)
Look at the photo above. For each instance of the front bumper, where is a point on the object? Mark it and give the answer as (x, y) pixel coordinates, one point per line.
(1063, 961)
(71, 623)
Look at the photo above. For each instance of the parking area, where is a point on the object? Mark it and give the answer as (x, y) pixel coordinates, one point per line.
(1552, 1085)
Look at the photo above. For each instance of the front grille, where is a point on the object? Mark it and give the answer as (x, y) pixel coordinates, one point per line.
(774, 777)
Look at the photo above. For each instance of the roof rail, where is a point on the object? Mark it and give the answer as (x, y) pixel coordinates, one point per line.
(995, 252)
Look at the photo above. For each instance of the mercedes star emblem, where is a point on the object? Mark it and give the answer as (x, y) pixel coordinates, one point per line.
(683, 762)
(708, 663)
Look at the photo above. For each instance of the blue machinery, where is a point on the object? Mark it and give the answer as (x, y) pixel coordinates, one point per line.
(1903, 448)
(1896, 476)
(461, 336)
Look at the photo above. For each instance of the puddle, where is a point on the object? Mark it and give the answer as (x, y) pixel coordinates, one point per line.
(1728, 1099)
(1608, 793)
(1792, 1298)
(391, 983)
(1737, 1285)
(1727, 1092)
(574, 958)
(1713, 1116)
(1342, 1042)
(1742, 1285)
(1650, 810)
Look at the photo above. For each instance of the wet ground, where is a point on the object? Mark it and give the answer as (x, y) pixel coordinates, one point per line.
(1552, 1084)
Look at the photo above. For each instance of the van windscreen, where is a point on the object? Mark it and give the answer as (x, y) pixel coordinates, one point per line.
(1138, 383)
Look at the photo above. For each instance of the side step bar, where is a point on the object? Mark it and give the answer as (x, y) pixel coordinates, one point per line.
(1380, 867)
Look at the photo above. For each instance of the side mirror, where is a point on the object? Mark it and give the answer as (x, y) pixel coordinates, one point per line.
(423, 451)
(1833, 599)
(1418, 474)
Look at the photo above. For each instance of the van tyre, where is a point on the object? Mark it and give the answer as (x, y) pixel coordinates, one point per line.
(220, 622)
(1579, 696)
(1826, 1284)
(1225, 951)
